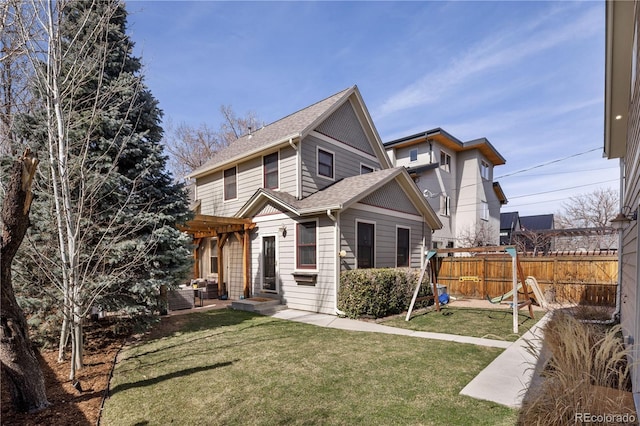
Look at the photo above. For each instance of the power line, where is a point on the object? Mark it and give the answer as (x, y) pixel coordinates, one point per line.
(546, 164)
(564, 189)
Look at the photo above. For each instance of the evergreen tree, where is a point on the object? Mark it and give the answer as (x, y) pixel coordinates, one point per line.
(106, 189)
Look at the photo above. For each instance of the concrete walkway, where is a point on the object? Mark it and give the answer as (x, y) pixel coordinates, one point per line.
(504, 381)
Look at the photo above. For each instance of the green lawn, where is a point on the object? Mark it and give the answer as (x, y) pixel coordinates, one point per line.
(229, 367)
(490, 323)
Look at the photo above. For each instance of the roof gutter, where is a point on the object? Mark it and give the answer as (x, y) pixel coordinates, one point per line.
(203, 172)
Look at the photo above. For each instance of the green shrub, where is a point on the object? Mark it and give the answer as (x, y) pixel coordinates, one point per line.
(378, 292)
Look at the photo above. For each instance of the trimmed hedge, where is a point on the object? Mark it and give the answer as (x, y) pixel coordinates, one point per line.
(378, 292)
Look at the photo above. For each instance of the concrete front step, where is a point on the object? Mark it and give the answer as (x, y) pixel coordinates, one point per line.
(260, 305)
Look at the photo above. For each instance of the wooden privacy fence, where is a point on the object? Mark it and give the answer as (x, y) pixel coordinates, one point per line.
(589, 280)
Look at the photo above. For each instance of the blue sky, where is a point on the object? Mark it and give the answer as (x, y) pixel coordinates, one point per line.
(528, 76)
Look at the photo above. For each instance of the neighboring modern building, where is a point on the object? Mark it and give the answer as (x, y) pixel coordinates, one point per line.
(622, 142)
(284, 209)
(457, 180)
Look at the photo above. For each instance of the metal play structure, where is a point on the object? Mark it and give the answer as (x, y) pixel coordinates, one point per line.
(516, 272)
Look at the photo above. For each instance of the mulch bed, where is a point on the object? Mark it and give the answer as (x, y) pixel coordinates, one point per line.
(69, 406)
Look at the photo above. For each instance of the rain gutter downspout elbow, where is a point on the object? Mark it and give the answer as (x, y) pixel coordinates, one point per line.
(336, 268)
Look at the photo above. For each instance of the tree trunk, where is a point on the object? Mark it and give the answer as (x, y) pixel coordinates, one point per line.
(19, 362)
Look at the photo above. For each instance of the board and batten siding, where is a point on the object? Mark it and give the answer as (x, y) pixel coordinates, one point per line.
(385, 236)
(210, 188)
(314, 298)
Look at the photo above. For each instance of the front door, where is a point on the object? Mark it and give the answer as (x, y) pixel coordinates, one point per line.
(269, 263)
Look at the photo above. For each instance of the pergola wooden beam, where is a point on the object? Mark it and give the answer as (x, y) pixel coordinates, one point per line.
(205, 226)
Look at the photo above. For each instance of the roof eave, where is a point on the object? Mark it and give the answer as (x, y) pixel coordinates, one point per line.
(198, 173)
(619, 50)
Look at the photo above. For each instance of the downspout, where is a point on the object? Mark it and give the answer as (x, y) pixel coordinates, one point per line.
(336, 259)
(615, 316)
(298, 177)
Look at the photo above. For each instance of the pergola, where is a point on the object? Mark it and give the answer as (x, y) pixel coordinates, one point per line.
(221, 228)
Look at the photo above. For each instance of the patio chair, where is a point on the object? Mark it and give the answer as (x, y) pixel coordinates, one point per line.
(211, 290)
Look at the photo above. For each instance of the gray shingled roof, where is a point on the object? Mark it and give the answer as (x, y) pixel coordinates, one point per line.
(337, 196)
(290, 126)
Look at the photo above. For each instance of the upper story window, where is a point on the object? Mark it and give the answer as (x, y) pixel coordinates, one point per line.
(270, 171)
(484, 169)
(230, 184)
(484, 212)
(364, 169)
(325, 163)
(445, 161)
(445, 205)
(306, 245)
(413, 155)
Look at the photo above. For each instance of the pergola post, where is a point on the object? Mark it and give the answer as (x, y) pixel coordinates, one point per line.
(245, 264)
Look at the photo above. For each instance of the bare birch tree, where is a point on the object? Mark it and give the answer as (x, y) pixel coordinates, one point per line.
(104, 176)
(190, 147)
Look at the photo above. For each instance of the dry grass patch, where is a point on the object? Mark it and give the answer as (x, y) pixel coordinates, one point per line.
(586, 373)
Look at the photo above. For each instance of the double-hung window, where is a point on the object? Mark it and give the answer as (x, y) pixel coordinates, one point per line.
(325, 163)
(445, 161)
(306, 245)
(366, 244)
(484, 212)
(445, 205)
(402, 247)
(230, 184)
(270, 171)
(484, 169)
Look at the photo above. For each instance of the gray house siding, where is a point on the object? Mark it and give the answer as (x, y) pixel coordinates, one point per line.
(249, 179)
(385, 237)
(315, 298)
(630, 242)
(346, 164)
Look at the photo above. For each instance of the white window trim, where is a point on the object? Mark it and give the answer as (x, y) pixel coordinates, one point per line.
(318, 149)
(344, 146)
(295, 247)
(264, 183)
(210, 255)
(373, 169)
(484, 210)
(444, 166)
(485, 170)
(262, 236)
(409, 254)
(417, 153)
(375, 240)
(446, 201)
(224, 185)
